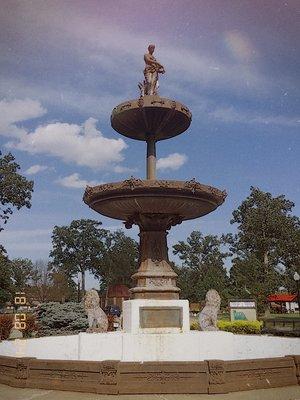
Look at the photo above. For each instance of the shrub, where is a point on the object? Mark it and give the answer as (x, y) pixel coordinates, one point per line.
(195, 326)
(6, 324)
(31, 326)
(61, 319)
(241, 327)
(238, 327)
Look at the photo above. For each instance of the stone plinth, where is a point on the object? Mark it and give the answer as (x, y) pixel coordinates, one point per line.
(156, 316)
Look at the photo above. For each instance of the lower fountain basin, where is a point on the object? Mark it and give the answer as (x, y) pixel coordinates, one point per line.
(122, 200)
(121, 346)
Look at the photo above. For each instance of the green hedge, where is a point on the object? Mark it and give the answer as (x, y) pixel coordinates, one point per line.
(239, 327)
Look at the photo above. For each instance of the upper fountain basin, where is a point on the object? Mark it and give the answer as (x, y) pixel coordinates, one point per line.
(150, 116)
(122, 200)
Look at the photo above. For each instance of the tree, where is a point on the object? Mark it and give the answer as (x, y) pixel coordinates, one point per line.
(119, 261)
(249, 279)
(15, 189)
(40, 282)
(203, 266)
(21, 273)
(78, 248)
(5, 277)
(62, 287)
(266, 245)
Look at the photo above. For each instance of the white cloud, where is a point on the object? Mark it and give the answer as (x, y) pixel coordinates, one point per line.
(34, 169)
(65, 97)
(173, 161)
(74, 181)
(14, 111)
(119, 169)
(230, 114)
(73, 143)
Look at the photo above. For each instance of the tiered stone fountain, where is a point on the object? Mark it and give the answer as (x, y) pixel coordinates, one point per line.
(152, 204)
(171, 359)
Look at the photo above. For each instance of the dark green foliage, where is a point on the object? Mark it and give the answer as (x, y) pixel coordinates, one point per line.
(251, 278)
(22, 272)
(6, 284)
(78, 248)
(119, 262)
(203, 267)
(266, 246)
(61, 319)
(15, 189)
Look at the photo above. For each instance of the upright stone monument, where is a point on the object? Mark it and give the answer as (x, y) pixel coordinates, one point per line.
(154, 205)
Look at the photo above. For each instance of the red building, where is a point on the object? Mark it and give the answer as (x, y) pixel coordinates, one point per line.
(283, 302)
(115, 296)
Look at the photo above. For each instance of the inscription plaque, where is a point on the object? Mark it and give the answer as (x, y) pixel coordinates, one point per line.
(160, 317)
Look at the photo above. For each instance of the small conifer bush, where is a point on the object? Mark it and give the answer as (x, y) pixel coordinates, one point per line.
(61, 319)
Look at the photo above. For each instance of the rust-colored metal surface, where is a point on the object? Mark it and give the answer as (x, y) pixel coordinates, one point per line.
(114, 377)
(151, 116)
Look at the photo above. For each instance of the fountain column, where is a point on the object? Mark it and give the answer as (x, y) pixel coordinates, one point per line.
(151, 158)
(155, 278)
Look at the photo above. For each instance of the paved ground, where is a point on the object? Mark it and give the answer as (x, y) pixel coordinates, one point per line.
(286, 393)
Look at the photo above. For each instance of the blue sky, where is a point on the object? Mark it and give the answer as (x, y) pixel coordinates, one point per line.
(66, 64)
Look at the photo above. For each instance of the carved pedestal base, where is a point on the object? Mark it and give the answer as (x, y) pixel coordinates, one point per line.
(155, 278)
(156, 316)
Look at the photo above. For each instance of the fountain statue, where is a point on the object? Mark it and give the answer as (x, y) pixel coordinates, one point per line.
(97, 318)
(152, 204)
(208, 317)
(151, 71)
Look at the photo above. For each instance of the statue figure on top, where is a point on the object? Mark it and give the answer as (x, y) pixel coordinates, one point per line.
(152, 68)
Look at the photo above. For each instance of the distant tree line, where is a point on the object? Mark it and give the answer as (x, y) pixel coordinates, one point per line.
(259, 259)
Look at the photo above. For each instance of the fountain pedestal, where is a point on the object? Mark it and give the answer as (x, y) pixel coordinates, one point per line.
(156, 316)
(155, 278)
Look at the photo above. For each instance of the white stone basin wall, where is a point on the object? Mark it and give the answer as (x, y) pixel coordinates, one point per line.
(190, 346)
